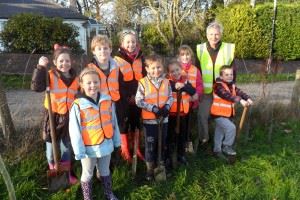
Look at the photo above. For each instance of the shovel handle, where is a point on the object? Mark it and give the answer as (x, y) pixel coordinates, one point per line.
(134, 157)
(159, 146)
(179, 97)
(242, 122)
(52, 125)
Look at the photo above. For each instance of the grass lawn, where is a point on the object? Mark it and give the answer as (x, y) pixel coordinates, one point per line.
(264, 170)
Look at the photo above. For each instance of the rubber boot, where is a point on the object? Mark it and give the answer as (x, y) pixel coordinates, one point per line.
(107, 186)
(86, 190)
(67, 165)
(150, 171)
(124, 148)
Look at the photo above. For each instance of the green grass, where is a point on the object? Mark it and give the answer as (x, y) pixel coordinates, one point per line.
(251, 78)
(16, 81)
(263, 170)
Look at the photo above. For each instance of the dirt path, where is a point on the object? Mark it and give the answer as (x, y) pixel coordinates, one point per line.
(27, 110)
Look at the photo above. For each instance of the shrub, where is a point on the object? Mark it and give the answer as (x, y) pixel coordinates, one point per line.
(20, 34)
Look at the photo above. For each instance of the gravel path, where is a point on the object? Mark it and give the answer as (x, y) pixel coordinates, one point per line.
(26, 106)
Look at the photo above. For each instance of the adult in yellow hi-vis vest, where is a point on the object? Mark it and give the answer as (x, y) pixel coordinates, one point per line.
(212, 55)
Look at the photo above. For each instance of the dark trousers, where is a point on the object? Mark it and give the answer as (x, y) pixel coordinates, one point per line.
(151, 141)
(177, 139)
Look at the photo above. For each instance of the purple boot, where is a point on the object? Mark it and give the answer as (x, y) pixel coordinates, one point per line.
(107, 186)
(86, 190)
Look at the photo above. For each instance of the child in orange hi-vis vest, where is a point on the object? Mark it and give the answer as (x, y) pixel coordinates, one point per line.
(130, 61)
(225, 95)
(179, 83)
(186, 57)
(63, 86)
(94, 132)
(154, 96)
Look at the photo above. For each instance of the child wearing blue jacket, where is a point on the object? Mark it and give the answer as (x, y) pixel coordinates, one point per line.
(94, 132)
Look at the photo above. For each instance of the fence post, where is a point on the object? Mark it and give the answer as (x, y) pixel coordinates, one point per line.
(296, 94)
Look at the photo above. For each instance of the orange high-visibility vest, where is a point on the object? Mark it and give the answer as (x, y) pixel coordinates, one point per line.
(108, 85)
(96, 124)
(192, 75)
(222, 107)
(154, 96)
(184, 104)
(61, 95)
(130, 71)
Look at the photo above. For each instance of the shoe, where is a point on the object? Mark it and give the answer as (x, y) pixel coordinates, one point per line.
(229, 151)
(107, 186)
(220, 155)
(86, 190)
(125, 148)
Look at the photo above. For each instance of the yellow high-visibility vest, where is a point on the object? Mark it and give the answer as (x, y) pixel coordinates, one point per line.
(209, 71)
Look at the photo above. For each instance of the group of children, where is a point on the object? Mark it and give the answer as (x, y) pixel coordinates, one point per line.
(97, 111)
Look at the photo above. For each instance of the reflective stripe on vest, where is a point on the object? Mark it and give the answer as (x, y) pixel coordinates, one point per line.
(192, 75)
(96, 124)
(108, 85)
(225, 57)
(61, 96)
(154, 96)
(222, 107)
(184, 104)
(129, 70)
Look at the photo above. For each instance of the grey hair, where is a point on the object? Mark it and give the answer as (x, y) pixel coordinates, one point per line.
(215, 25)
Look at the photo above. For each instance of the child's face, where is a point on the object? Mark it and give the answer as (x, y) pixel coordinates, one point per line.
(175, 71)
(155, 69)
(63, 62)
(129, 43)
(185, 57)
(90, 84)
(227, 75)
(102, 52)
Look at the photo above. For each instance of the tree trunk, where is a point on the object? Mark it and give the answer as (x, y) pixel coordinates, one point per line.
(8, 127)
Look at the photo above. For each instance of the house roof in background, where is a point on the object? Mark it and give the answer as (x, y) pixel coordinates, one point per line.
(9, 8)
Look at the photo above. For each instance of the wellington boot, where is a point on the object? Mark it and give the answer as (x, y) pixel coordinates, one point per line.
(107, 186)
(125, 149)
(86, 190)
(150, 171)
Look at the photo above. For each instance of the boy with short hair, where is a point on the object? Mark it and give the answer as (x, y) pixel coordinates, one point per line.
(225, 95)
(154, 96)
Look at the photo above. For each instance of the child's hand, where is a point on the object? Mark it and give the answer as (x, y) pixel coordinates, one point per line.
(195, 97)
(244, 103)
(43, 61)
(250, 102)
(178, 86)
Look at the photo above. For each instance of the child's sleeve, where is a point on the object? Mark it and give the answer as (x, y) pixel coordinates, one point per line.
(38, 80)
(116, 137)
(242, 94)
(140, 99)
(75, 133)
(199, 84)
(224, 94)
(188, 88)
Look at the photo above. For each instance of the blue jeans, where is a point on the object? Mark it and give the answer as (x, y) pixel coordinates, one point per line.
(64, 145)
(151, 141)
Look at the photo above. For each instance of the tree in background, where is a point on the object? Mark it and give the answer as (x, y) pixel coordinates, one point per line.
(173, 13)
(21, 35)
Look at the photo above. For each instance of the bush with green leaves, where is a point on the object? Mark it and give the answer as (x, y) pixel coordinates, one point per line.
(26, 32)
(251, 30)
